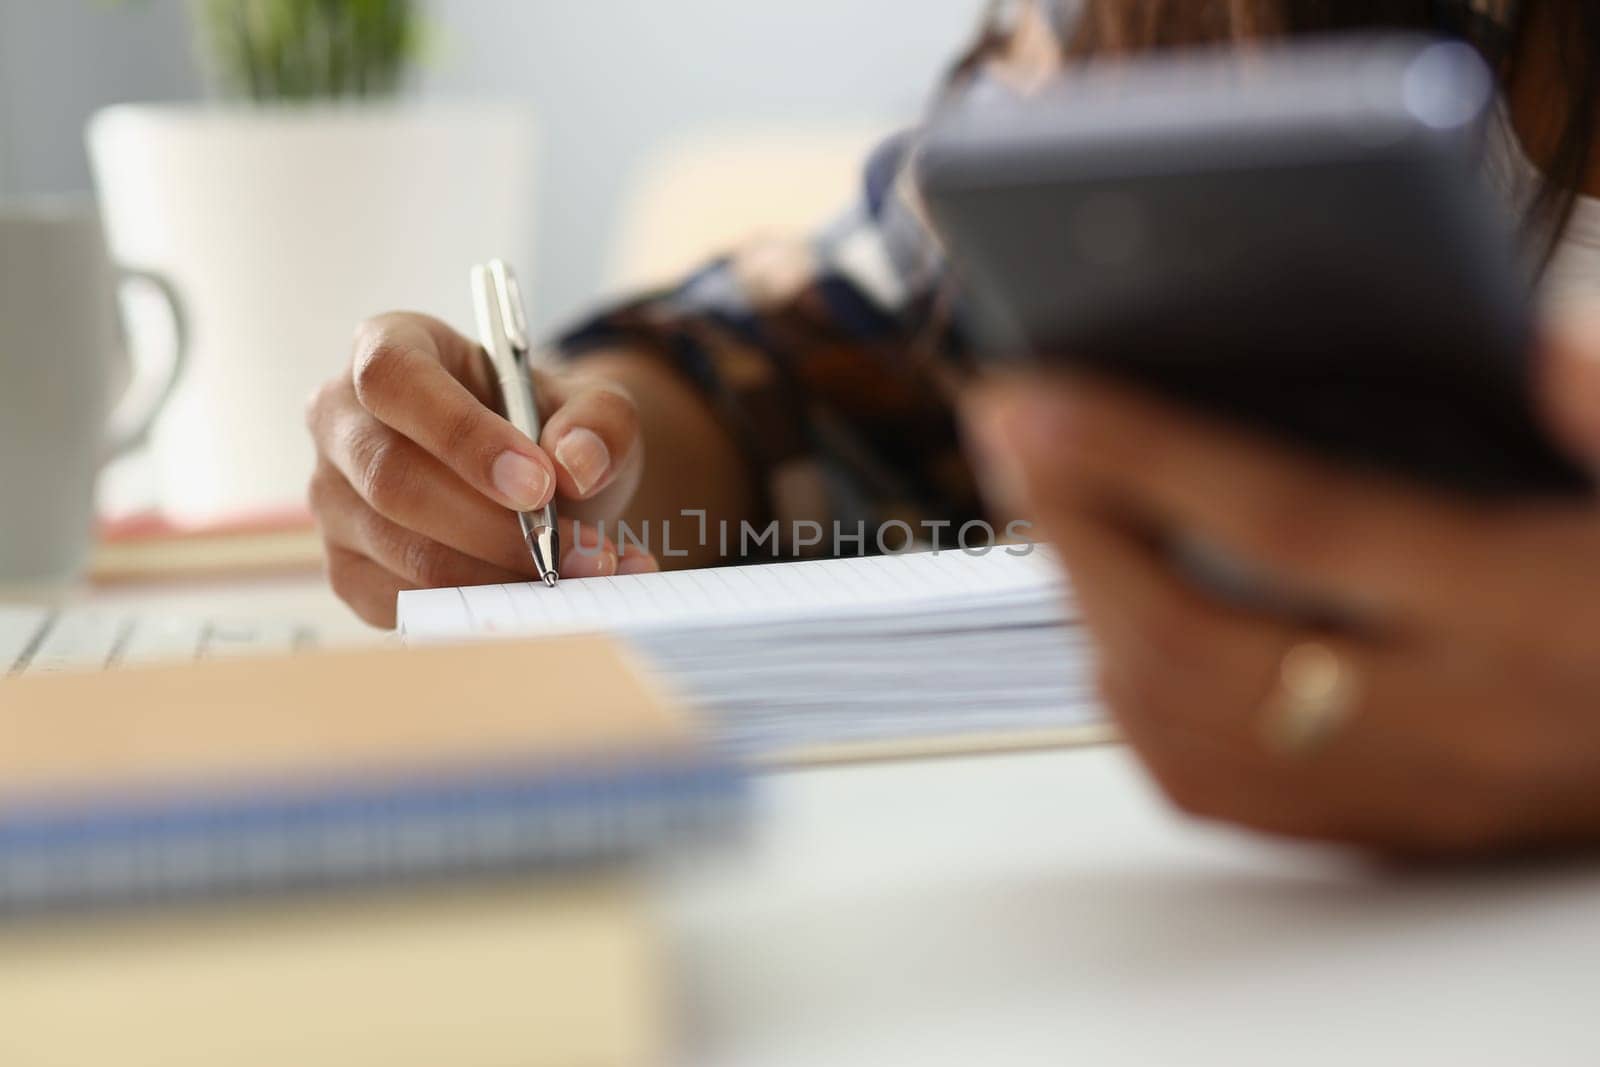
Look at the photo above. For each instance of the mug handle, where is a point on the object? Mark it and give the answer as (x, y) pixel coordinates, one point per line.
(129, 429)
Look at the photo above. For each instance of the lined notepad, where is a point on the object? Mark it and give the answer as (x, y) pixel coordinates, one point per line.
(817, 657)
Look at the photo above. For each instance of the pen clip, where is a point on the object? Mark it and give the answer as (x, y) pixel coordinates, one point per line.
(512, 321)
(486, 305)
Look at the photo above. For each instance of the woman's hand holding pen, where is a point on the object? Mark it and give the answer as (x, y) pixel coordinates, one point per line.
(418, 477)
(1461, 718)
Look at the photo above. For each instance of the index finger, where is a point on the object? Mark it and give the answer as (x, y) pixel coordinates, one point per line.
(1359, 540)
(410, 373)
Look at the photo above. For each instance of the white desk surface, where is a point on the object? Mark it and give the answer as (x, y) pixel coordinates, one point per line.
(1047, 908)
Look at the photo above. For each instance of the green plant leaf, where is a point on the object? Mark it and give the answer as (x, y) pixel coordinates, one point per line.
(267, 50)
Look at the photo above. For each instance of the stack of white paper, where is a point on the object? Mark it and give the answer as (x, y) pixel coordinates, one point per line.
(822, 653)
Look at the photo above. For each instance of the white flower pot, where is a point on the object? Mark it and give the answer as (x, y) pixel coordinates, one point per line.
(281, 228)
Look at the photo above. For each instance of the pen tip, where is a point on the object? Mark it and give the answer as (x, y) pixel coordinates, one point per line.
(550, 578)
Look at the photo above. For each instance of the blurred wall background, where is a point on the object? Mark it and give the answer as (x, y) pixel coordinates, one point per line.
(612, 82)
(62, 59)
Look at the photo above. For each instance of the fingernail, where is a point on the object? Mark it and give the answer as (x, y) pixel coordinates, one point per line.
(520, 480)
(591, 564)
(587, 540)
(584, 456)
(637, 563)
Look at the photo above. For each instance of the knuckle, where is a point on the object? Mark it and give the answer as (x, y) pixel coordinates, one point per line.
(386, 476)
(425, 562)
(319, 489)
(322, 406)
(341, 575)
(377, 362)
(463, 429)
(315, 405)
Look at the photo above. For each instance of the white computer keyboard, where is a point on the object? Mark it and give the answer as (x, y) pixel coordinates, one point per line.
(35, 640)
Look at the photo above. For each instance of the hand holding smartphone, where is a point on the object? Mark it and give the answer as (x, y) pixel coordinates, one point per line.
(1297, 239)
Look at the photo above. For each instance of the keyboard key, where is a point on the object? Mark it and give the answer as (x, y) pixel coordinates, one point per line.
(160, 639)
(19, 626)
(258, 638)
(36, 640)
(78, 640)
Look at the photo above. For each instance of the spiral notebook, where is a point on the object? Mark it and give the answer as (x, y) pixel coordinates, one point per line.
(819, 660)
(339, 768)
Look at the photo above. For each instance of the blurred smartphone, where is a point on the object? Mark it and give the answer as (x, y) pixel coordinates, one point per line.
(1296, 238)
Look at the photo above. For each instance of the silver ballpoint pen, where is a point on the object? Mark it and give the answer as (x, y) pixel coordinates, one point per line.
(504, 331)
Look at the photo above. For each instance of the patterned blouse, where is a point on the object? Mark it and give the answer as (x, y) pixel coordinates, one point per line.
(832, 357)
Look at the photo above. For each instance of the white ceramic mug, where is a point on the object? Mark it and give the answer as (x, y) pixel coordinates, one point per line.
(61, 352)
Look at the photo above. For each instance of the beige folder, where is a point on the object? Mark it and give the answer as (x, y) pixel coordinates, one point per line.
(516, 975)
(318, 713)
(522, 972)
